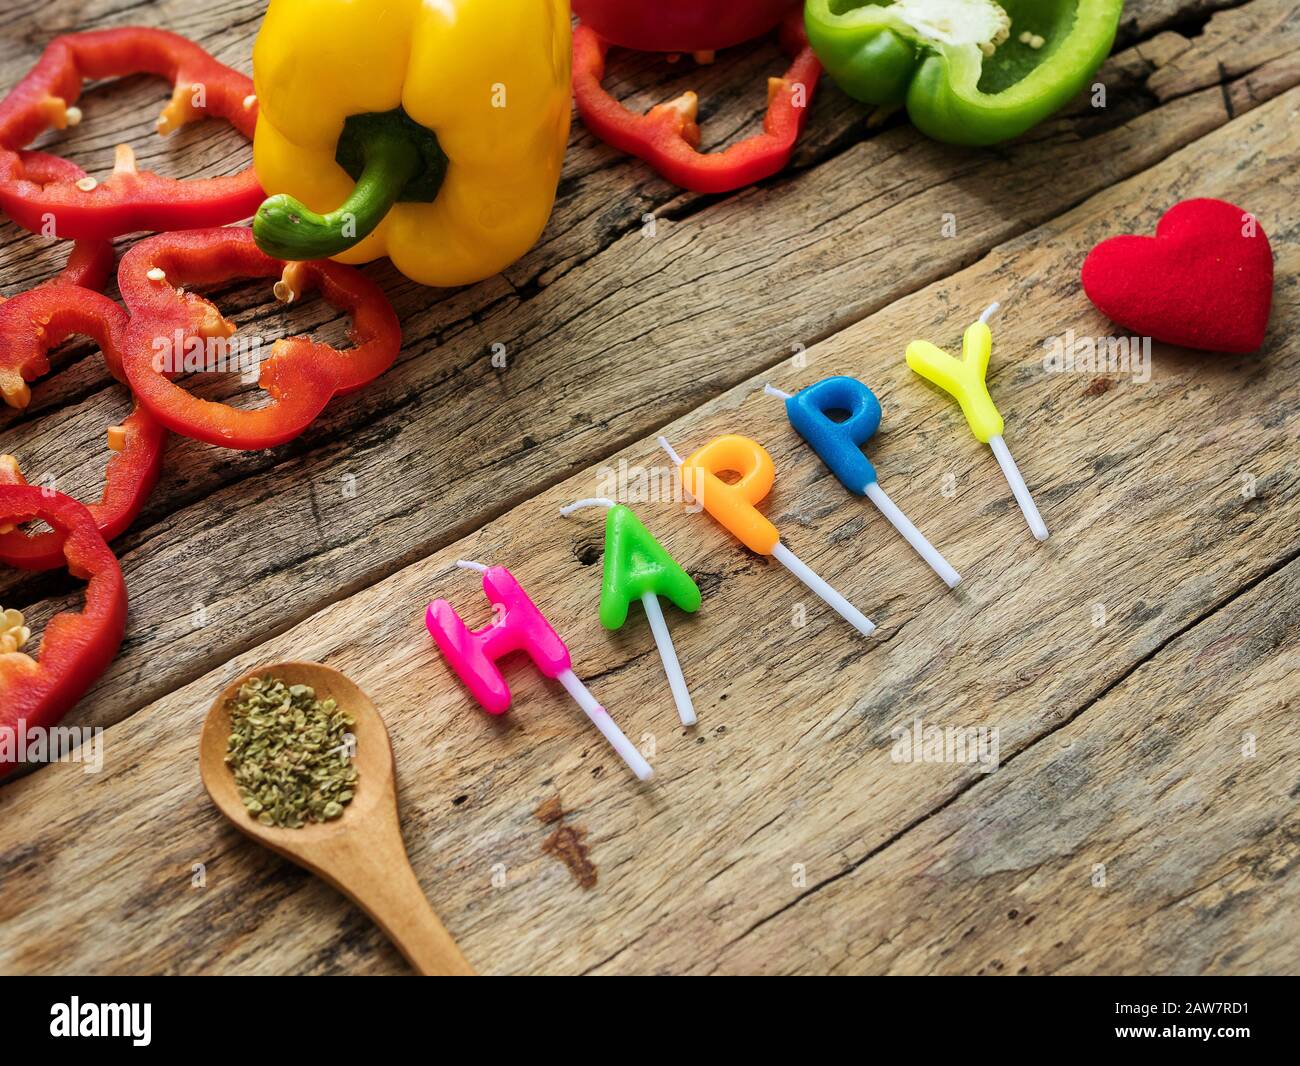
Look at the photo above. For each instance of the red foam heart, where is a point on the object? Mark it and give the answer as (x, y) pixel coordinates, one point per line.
(1205, 280)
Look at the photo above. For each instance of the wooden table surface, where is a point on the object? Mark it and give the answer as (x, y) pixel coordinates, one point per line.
(1141, 667)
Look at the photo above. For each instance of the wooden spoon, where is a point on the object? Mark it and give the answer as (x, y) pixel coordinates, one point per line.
(360, 853)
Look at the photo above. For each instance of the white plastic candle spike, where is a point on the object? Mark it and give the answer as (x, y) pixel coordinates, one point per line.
(658, 625)
(664, 642)
(913, 536)
(1018, 488)
(601, 720)
(838, 603)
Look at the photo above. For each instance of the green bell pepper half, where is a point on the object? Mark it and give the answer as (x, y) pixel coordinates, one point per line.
(971, 72)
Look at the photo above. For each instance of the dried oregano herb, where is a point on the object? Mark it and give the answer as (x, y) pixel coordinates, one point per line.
(290, 753)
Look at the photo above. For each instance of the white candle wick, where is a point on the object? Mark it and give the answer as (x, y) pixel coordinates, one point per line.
(663, 443)
(578, 505)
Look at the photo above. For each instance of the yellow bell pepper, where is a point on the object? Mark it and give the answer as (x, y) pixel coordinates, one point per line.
(430, 131)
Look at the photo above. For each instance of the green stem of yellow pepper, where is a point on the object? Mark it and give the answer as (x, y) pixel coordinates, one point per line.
(391, 157)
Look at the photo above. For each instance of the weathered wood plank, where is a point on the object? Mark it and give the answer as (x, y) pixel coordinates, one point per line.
(1165, 813)
(1146, 17)
(643, 330)
(1141, 483)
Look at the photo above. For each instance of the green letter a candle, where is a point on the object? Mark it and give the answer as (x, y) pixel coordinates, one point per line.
(637, 565)
(638, 568)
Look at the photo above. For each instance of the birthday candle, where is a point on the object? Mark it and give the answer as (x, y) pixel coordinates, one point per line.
(964, 379)
(840, 446)
(517, 625)
(637, 567)
(733, 507)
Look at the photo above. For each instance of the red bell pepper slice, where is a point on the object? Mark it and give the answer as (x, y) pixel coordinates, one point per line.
(668, 137)
(35, 321)
(301, 375)
(24, 317)
(129, 200)
(89, 262)
(76, 647)
(129, 478)
(30, 325)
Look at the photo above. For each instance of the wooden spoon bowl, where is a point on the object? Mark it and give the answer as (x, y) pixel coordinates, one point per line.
(360, 853)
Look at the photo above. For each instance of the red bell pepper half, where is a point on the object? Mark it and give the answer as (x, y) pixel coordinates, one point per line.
(75, 647)
(301, 376)
(30, 325)
(682, 25)
(668, 137)
(129, 200)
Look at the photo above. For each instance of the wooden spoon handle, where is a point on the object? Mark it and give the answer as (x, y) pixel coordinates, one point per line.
(374, 872)
(403, 912)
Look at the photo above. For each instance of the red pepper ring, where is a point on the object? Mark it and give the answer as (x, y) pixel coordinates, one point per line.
(76, 647)
(129, 200)
(667, 137)
(89, 265)
(23, 326)
(90, 262)
(301, 376)
(131, 474)
(30, 325)
(39, 319)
